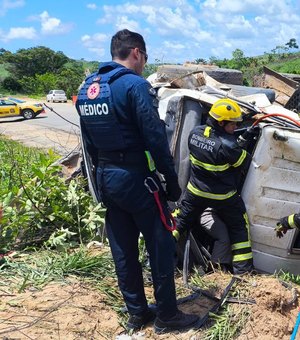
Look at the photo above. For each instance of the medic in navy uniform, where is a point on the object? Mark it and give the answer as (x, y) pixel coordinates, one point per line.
(127, 141)
(216, 165)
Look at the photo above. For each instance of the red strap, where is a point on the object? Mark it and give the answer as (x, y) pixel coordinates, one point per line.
(171, 227)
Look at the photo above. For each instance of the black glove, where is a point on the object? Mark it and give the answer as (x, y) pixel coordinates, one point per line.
(282, 226)
(173, 191)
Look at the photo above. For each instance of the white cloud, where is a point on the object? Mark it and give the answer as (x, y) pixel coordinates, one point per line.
(100, 52)
(206, 28)
(171, 44)
(123, 22)
(95, 38)
(6, 5)
(51, 25)
(180, 20)
(262, 20)
(18, 33)
(91, 6)
(254, 26)
(240, 27)
(85, 38)
(93, 43)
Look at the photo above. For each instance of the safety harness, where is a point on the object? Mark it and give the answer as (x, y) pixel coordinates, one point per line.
(153, 188)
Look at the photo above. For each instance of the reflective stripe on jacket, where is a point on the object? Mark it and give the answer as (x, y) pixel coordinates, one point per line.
(216, 162)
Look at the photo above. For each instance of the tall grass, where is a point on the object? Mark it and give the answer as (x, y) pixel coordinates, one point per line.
(228, 323)
(37, 269)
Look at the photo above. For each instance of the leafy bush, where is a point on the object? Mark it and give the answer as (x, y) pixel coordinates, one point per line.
(40, 207)
(11, 84)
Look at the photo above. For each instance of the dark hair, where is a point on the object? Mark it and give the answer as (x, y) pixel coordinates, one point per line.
(123, 41)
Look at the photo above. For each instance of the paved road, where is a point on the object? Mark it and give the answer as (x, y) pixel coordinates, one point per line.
(63, 117)
(58, 131)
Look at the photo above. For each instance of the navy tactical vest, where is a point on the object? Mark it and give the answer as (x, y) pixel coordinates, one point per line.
(95, 107)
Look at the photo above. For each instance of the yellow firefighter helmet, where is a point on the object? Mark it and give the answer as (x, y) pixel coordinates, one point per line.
(226, 109)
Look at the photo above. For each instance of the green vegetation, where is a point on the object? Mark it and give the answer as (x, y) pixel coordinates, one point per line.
(292, 66)
(37, 269)
(47, 221)
(35, 71)
(3, 71)
(289, 277)
(227, 323)
(282, 59)
(40, 207)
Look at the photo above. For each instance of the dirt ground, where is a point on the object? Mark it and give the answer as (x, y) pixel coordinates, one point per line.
(78, 311)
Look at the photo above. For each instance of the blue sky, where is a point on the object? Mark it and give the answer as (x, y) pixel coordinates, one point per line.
(175, 31)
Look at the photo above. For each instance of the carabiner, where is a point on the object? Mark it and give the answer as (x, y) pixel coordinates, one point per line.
(154, 185)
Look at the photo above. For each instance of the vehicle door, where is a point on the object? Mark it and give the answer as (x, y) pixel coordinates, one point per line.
(271, 191)
(8, 108)
(50, 95)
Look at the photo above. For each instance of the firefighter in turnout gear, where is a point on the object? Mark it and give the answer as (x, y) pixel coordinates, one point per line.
(286, 223)
(127, 140)
(216, 164)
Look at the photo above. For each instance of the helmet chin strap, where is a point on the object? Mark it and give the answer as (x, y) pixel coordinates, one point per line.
(222, 123)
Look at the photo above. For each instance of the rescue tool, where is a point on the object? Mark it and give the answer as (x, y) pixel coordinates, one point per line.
(153, 188)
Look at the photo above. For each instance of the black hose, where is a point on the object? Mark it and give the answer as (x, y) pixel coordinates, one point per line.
(51, 109)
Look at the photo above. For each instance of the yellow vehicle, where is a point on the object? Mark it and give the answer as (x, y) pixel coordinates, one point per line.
(13, 107)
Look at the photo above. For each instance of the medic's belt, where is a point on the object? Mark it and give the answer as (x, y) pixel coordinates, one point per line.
(123, 158)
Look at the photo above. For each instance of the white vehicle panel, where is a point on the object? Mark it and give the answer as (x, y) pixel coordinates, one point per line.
(271, 191)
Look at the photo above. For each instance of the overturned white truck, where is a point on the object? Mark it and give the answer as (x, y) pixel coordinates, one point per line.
(271, 187)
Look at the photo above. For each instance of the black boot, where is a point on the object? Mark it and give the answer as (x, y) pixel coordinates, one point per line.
(138, 321)
(179, 322)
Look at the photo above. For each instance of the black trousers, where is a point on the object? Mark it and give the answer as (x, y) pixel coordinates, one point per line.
(233, 212)
(211, 222)
(131, 211)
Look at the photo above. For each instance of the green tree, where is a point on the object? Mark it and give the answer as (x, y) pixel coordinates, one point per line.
(149, 69)
(39, 84)
(4, 55)
(29, 85)
(239, 60)
(45, 82)
(292, 44)
(238, 54)
(35, 60)
(11, 84)
(70, 79)
(213, 60)
(280, 49)
(200, 61)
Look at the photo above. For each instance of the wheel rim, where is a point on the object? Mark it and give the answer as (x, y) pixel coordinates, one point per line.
(28, 114)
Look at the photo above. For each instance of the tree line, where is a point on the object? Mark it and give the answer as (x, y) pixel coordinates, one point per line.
(281, 59)
(39, 69)
(36, 70)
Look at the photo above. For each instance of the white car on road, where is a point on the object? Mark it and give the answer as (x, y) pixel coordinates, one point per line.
(56, 96)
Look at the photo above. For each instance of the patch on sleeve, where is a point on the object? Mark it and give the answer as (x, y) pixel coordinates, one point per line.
(152, 91)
